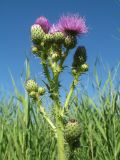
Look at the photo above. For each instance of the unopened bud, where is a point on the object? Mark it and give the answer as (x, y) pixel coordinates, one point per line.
(80, 56)
(55, 56)
(84, 67)
(59, 37)
(31, 85)
(33, 94)
(72, 131)
(37, 33)
(48, 38)
(41, 91)
(35, 50)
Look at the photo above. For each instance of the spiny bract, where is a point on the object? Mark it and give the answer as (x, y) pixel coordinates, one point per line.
(31, 85)
(48, 38)
(41, 91)
(72, 131)
(84, 67)
(59, 37)
(37, 33)
(70, 42)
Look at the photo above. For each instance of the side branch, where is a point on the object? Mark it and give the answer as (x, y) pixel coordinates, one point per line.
(46, 117)
(66, 104)
(64, 57)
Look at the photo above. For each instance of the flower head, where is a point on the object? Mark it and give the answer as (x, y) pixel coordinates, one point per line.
(72, 25)
(44, 23)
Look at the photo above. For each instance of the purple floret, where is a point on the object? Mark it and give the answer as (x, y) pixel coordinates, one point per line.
(54, 28)
(44, 23)
(72, 24)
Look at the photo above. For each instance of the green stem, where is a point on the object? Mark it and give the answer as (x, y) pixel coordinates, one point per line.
(64, 57)
(59, 122)
(60, 133)
(46, 70)
(27, 134)
(46, 117)
(66, 105)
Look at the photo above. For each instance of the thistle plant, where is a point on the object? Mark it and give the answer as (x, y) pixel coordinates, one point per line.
(52, 44)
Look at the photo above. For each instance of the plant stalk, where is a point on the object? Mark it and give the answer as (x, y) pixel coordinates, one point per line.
(46, 117)
(60, 134)
(59, 121)
(66, 105)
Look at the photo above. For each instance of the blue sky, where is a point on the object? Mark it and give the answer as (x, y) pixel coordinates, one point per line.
(16, 18)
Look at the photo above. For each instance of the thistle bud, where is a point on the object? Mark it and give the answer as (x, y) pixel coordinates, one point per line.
(31, 86)
(35, 50)
(84, 67)
(55, 56)
(41, 91)
(37, 33)
(74, 71)
(70, 42)
(59, 37)
(48, 38)
(56, 68)
(80, 56)
(33, 95)
(72, 131)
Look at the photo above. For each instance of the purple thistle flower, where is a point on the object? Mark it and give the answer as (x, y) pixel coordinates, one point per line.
(54, 28)
(44, 23)
(72, 25)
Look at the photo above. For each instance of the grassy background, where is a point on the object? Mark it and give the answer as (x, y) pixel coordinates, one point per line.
(25, 135)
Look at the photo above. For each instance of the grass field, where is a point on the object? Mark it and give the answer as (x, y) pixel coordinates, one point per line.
(25, 135)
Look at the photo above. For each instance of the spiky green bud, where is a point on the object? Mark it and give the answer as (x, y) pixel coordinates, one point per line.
(37, 33)
(55, 55)
(72, 131)
(84, 67)
(56, 68)
(59, 37)
(31, 86)
(33, 95)
(35, 50)
(41, 91)
(77, 70)
(74, 71)
(48, 38)
(70, 42)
